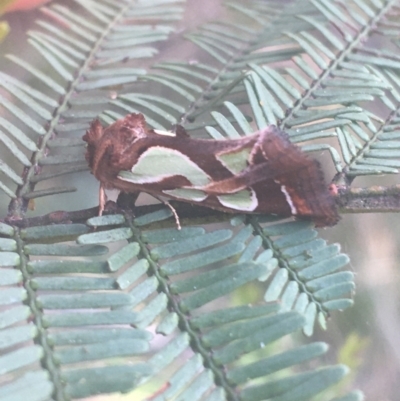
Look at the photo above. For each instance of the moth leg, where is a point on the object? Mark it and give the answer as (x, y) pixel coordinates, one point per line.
(177, 222)
(166, 203)
(102, 199)
(127, 200)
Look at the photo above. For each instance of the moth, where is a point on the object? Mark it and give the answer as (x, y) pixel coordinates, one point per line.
(260, 173)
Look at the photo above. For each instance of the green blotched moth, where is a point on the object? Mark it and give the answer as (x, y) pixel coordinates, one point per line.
(259, 173)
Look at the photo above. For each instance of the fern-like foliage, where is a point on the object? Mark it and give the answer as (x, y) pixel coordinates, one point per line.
(85, 297)
(114, 303)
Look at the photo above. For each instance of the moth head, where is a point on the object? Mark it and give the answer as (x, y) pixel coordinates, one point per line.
(106, 145)
(133, 126)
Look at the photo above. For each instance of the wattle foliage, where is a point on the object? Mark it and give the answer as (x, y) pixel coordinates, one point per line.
(116, 303)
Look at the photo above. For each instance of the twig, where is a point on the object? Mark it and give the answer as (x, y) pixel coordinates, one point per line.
(375, 199)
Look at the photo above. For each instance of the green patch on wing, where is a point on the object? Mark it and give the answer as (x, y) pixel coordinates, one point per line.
(235, 161)
(245, 200)
(158, 163)
(194, 195)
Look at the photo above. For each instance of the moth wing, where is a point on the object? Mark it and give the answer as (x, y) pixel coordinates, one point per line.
(158, 163)
(301, 178)
(250, 176)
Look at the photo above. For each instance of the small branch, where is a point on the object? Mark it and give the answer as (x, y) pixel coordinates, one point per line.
(350, 200)
(57, 217)
(195, 214)
(374, 199)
